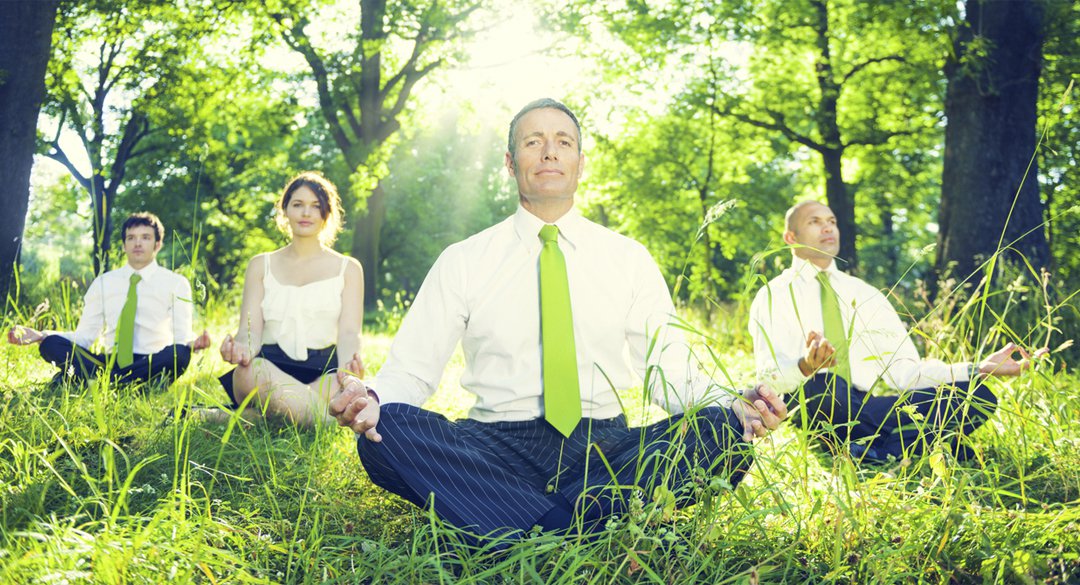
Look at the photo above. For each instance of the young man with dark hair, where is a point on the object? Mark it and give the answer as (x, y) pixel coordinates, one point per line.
(142, 311)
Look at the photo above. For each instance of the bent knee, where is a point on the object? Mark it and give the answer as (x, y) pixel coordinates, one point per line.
(984, 400)
(720, 418)
(182, 353)
(721, 447)
(244, 381)
(54, 348)
(398, 418)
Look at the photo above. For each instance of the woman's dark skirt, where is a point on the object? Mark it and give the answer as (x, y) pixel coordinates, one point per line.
(319, 362)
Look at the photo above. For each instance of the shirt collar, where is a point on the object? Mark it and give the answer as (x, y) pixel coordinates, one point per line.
(527, 226)
(808, 270)
(146, 272)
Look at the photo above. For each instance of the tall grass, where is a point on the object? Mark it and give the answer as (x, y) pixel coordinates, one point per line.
(103, 484)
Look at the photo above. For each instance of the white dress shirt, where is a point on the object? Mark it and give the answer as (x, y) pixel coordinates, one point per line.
(881, 352)
(163, 315)
(484, 291)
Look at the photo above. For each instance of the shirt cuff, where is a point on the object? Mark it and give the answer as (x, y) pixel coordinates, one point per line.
(968, 369)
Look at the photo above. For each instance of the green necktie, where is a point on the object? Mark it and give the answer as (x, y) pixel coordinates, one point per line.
(834, 326)
(562, 398)
(125, 327)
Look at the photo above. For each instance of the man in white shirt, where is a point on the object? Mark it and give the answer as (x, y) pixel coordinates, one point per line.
(509, 467)
(831, 374)
(160, 311)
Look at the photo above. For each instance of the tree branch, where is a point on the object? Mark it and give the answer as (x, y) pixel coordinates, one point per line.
(410, 74)
(777, 125)
(136, 129)
(58, 155)
(135, 153)
(297, 40)
(69, 106)
(878, 138)
(103, 72)
(406, 88)
(147, 148)
(868, 62)
(408, 69)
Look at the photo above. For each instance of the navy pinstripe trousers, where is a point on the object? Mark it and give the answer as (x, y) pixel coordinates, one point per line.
(951, 412)
(505, 477)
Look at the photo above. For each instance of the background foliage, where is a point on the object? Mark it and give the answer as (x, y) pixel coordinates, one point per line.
(688, 107)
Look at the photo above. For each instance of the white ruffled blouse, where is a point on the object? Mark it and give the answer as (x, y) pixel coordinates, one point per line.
(301, 317)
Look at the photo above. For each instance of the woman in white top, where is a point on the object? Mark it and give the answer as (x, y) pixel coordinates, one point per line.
(301, 312)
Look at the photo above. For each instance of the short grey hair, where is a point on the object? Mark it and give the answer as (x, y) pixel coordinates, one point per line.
(539, 105)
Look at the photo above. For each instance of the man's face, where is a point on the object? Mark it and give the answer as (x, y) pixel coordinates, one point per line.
(547, 163)
(141, 246)
(815, 231)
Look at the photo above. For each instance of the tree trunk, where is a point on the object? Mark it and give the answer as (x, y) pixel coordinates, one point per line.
(102, 200)
(831, 147)
(25, 47)
(990, 105)
(367, 231)
(836, 193)
(888, 234)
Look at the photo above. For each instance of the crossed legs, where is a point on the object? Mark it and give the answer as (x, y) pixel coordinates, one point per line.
(897, 425)
(506, 477)
(279, 394)
(167, 364)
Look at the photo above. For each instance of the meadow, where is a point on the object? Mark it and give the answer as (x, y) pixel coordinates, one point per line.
(115, 485)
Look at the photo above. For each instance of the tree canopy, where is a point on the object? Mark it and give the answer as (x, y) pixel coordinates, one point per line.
(703, 122)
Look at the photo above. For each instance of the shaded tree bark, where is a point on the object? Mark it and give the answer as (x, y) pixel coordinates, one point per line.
(989, 192)
(25, 48)
(888, 234)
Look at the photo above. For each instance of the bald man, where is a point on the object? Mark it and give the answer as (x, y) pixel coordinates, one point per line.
(828, 339)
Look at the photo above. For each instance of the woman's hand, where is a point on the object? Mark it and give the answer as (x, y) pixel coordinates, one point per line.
(234, 352)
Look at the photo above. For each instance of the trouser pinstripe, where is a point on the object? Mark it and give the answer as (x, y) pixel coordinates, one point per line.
(499, 478)
(898, 425)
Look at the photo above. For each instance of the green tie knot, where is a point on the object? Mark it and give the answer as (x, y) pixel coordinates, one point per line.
(135, 278)
(549, 234)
